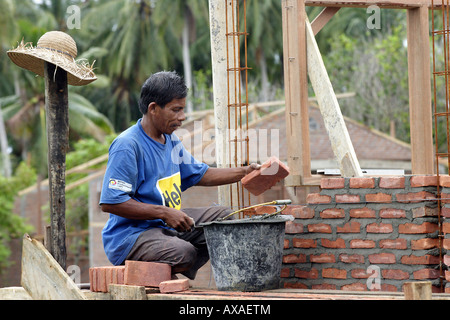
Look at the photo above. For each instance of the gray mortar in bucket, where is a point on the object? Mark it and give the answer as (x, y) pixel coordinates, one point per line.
(246, 254)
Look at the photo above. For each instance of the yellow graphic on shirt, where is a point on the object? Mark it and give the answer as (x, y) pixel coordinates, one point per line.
(170, 190)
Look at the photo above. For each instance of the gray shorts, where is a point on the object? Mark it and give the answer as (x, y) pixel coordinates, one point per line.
(186, 252)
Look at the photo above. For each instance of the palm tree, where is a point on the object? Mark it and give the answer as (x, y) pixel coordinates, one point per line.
(22, 102)
(181, 21)
(135, 49)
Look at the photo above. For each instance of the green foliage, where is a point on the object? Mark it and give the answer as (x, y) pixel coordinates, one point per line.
(12, 225)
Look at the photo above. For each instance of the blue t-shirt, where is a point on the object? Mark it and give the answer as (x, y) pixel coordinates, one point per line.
(147, 171)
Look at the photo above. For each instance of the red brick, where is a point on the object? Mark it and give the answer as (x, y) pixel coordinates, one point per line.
(351, 258)
(447, 259)
(293, 258)
(332, 213)
(311, 274)
(388, 287)
(171, 286)
(299, 212)
(362, 213)
(323, 286)
(362, 244)
(350, 227)
(426, 259)
(423, 181)
(285, 273)
(425, 212)
(446, 244)
(446, 227)
(393, 244)
(293, 227)
(347, 198)
(271, 172)
(265, 209)
(286, 244)
(445, 197)
(392, 182)
(295, 285)
(304, 243)
(423, 244)
(426, 274)
(334, 244)
(332, 183)
(357, 286)
(382, 258)
(444, 181)
(101, 277)
(323, 258)
(392, 213)
(414, 197)
(148, 274)
(364, 183)
(379, 228)
(379, 197)
(334, 273)
(319, 228)
(317, 198)
(412, 228)
(395, 274)
(360, 274)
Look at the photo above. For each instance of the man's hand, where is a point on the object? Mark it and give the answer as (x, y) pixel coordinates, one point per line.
(178, 220)
(252, 167)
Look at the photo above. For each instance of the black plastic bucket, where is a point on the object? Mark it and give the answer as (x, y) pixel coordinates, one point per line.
(246, 254)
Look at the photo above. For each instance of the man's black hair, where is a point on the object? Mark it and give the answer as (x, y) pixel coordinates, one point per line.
(162, 88)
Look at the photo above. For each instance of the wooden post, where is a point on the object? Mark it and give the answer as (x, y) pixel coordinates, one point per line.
(296, 91)
(57, 117)
(419, 73)
(218, 30)
(419, 290)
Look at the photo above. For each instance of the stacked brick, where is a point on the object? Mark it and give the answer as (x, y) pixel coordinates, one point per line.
(366, 234)
(137, 273)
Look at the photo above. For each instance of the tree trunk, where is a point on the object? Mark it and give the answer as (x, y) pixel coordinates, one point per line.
(57, 115)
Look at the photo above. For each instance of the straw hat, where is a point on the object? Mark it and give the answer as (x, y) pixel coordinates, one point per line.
(58, 48)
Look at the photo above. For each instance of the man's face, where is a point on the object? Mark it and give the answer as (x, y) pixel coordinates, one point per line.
(170, 118)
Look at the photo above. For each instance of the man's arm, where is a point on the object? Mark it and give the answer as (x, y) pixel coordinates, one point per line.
(221, 176)
(133, 209)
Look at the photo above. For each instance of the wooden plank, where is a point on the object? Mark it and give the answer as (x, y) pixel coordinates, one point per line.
(42, 276)
(57, 116)
(296, 91)
(330, 110)
(419, 74)
(125, 292)
(419, 290)
(392, 4)
(14, 293)
(321, 20)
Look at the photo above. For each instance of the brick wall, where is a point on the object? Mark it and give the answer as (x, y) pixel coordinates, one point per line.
(367, 234)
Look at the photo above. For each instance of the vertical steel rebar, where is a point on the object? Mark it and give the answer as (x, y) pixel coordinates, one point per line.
(438, 114)
(236, 133)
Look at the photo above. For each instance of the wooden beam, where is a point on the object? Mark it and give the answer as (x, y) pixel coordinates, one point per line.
(418, 290)
(329, 107)
(321, 20)
(391, 4)
(420, 109)
(42, 276)
(57, 116)
(296, 91)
